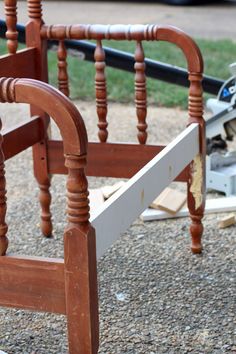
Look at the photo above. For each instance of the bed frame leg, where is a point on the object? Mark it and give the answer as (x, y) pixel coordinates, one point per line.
(81, 291)
(196, 201)
(44, 182)
(196, 231)
(80, 264)
(40, 156)
(3, 204)
(197, 171)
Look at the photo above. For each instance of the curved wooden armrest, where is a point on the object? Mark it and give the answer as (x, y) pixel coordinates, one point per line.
(54, 103)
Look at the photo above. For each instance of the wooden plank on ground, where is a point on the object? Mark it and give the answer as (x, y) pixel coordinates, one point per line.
(108, 191)
(227, 221)
(119, 211)
(219, 205)
(170, 200)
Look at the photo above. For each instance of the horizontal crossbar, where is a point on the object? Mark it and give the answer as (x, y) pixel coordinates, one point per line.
(32, 283)
(108, 160)
(17, 138)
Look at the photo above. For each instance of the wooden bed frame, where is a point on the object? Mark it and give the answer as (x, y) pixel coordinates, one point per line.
(69, 286)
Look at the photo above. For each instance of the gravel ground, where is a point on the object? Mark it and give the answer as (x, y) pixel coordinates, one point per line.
(155, 296)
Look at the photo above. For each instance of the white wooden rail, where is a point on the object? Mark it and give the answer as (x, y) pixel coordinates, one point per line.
(119, 211)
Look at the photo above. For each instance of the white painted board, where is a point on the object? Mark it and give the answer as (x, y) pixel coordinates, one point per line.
(119, 211)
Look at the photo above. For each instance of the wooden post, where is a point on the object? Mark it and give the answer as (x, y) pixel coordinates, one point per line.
(11, 21)
(101, 93)
(7, 94)
(3, 204)
(33, 39)
(62, 69)
(140, 93)
(196, 182)
(80, 264)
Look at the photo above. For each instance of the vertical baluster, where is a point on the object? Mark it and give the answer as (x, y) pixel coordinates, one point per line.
(3, 204)
(11, 21)
(101, 92)
(40, 153)
(80, 263)
(196, 182)
(140, 93)
(62, 69)
(34, 9)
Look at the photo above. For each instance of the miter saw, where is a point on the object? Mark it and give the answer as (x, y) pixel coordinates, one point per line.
(220, 128)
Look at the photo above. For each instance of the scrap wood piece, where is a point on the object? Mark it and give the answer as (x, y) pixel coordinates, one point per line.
(218, 205)
(227, 221)
(108, 191)
(170, 200)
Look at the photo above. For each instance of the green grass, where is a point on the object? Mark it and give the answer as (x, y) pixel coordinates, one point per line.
(120, 85)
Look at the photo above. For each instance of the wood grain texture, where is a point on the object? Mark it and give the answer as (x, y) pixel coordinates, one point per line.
(33, 283)
(170, 200)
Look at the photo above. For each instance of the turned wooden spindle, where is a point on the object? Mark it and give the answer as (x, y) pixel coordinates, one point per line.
(101, 92)
(77, 191)
(62, 69)
(3, 204)
(140, 93)
(196, 182)
(35, 9)
(33, 39)
(11, 21)
(45, 202)
(80, 263)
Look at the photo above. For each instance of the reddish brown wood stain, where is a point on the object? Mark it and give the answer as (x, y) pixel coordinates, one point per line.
(70, 286)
